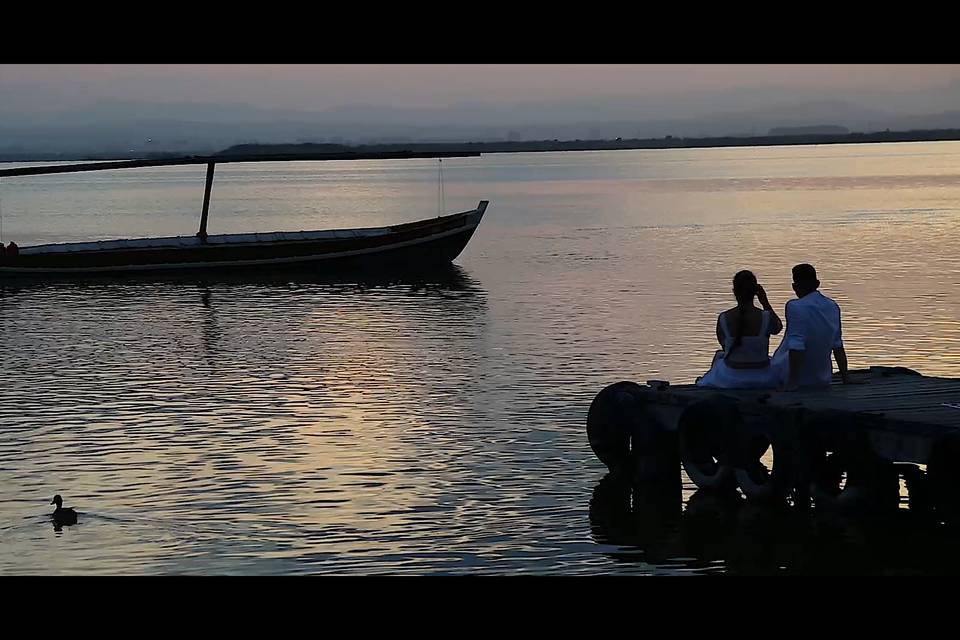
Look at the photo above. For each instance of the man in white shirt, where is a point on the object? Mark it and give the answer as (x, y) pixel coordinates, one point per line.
(813, 332)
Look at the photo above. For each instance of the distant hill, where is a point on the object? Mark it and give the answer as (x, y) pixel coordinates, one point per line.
(823, 129)
(305, 148)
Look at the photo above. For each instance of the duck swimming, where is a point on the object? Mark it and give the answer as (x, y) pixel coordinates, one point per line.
(60, 515)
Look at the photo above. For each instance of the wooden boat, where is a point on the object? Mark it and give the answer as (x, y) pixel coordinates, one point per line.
(431, 241)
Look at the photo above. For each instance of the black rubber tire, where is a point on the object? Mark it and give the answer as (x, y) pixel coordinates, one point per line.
(707, 431)
(756, 481)
(870, 483)
(612, 421)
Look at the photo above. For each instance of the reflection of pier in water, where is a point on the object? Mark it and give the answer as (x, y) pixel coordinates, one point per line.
(725, 533)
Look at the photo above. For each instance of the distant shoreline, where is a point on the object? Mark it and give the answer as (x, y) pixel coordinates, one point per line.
(526, 146)
(669, 142)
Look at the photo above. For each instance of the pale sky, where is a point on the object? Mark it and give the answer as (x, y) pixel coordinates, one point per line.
(318, 87)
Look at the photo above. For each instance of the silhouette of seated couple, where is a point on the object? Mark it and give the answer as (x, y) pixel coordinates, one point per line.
(803, 358)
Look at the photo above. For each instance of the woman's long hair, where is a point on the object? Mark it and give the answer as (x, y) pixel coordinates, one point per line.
(744, 288)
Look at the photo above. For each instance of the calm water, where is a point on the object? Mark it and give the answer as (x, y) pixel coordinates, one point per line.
(436, 425)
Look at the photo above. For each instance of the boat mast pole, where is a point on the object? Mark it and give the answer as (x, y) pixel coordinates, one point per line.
(202, 234)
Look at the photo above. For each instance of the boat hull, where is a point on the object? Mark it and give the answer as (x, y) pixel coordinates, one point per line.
(427, 242)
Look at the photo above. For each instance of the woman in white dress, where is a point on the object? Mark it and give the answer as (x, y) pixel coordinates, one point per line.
(744, 333)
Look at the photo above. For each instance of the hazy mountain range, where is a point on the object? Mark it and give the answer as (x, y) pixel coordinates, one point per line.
(205, 127)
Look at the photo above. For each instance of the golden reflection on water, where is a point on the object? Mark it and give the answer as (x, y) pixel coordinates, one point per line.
(435, 425)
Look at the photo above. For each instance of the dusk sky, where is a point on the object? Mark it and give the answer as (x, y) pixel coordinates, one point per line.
(87, 108)
(318, 87)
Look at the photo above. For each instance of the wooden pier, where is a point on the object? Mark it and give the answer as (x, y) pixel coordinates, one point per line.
(845, 446)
